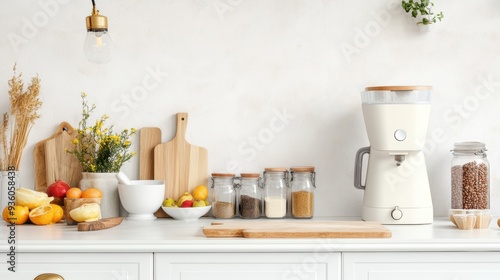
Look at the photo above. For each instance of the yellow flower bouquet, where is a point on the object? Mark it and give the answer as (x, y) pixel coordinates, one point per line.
(98, 148)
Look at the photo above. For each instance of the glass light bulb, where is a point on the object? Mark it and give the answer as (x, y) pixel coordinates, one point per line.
(97, 46)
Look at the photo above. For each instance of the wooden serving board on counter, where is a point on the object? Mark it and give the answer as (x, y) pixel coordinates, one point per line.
(52, 162)
(181, 165)
(297, 229)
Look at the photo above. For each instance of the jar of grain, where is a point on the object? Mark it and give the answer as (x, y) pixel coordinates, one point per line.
(223, 196)
(302, 184)
(275, 191)
(470, 177)
(249, 201)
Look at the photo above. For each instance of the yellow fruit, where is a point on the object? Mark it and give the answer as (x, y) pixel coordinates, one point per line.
(200, 192)
(58, 213)
(184, 197)
(86, 213)
(92, 193)
(74, 193)
(16, 214)
(42, 215)
(31, 199)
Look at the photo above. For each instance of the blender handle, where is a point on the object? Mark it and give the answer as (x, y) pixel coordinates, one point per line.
(358, 166)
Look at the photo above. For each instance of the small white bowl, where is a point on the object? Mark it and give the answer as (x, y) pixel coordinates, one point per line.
(186, 213)
(142, 199)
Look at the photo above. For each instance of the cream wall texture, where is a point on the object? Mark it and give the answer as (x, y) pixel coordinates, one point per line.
(266, 83)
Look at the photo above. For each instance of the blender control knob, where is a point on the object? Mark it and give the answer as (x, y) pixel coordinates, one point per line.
(396, 213)
(400, 134)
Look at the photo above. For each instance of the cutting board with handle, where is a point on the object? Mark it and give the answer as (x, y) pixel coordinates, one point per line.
(149, 138)
(100, 224)
(181, 165)
(52, 162)
(297, 229)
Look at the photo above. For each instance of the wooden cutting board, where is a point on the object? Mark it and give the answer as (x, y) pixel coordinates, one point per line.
(100, 224)
(149, 138)
(297, 229)
(52, 162)
(181, 165)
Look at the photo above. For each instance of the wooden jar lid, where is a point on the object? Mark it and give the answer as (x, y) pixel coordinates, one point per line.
(222, 175)
(275, 169)
(398, 88)
(302, 169)
(250, 175)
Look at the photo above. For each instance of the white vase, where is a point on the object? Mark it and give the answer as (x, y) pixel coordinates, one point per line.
(108, 185)
(8, 185)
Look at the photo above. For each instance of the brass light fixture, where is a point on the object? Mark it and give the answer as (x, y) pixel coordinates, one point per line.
(98, 44)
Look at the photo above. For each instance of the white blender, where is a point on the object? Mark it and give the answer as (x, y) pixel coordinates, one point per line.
(396, 189)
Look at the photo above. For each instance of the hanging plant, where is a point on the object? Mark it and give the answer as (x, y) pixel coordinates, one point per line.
(424, 9)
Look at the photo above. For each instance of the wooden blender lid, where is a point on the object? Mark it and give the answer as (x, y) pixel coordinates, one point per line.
(398, 88)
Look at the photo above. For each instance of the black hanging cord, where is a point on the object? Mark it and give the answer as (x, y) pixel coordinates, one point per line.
(93, 3)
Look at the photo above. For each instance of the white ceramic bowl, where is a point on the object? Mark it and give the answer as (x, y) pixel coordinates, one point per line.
(186, 213)
(142, 199)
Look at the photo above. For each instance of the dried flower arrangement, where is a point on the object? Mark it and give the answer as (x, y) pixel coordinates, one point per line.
(97, 148)
(17, 124)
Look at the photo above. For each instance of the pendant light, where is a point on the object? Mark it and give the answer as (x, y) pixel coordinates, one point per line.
(98, 44)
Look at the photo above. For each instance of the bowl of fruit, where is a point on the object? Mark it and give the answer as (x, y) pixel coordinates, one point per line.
(189, 206)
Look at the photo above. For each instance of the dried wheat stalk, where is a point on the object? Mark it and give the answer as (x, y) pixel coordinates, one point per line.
(17, 125)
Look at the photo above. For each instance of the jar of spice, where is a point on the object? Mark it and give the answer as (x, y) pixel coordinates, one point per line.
(302, 184)
(275, 190)
(223, 195)
(470, 178)
(250, 196)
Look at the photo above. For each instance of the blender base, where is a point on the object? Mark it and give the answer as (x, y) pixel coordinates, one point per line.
(398, 215)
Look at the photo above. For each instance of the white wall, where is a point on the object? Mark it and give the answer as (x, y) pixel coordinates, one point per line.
(237, 66)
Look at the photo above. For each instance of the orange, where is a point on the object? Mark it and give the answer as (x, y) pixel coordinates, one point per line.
(42, 215)
(92, 193)
(58, 213)
(18, 214)
(74, 193)
(200, 192)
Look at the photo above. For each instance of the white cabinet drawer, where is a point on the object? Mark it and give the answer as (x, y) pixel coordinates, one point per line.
(247, 266)
(422, 265)
(81, 266)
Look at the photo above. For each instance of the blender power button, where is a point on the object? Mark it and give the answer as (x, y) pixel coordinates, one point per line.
(396, 213)
(400, 134)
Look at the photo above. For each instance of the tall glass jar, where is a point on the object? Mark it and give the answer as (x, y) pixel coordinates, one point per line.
(223, 196)
(275, 190)
(250, 196)
(470, 177)
(302, 184)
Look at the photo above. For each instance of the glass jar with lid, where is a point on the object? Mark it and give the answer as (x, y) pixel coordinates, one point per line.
(223, 196)
(302, 184)
(470, 178)
(275, 191)
(250, 196)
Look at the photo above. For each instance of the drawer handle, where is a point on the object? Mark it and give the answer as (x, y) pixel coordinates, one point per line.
(49, 276)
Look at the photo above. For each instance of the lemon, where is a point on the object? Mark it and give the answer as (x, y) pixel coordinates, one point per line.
(16, 214)
(200, 192)
(32, 199)
(86, 213)
(58, 213)
(42, 215)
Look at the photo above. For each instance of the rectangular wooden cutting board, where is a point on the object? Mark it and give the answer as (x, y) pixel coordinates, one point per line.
(297, 229)
(181, 165)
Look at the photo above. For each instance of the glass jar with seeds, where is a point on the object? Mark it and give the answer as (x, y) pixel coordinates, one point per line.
(302, 185)
(223, 196)
(275, 192)
(249, 201)
(470, 176)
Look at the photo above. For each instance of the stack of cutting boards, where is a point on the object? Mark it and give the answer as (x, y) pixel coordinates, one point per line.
(53, 162)
(264, 228)
(181, 165)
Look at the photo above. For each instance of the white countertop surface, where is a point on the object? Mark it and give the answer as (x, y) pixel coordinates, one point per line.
(167, 235)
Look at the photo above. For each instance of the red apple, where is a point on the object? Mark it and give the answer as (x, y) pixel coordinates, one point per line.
(187, 203)
(58, 189)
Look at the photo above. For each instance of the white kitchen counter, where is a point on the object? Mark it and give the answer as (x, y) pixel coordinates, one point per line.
(167, 235)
